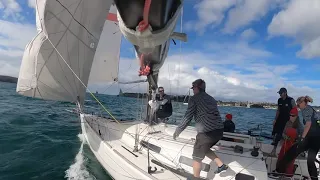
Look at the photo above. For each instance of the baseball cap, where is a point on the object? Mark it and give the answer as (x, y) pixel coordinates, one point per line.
(294, 111)
(282, 90)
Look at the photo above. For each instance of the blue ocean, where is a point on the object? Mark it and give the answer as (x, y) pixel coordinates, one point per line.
(42, 139)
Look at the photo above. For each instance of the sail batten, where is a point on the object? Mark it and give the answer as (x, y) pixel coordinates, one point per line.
(57, 63)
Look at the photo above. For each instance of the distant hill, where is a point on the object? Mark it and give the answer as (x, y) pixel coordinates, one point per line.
(8, 79)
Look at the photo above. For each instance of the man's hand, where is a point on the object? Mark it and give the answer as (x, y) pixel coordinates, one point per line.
(164, 101)
(300, 142)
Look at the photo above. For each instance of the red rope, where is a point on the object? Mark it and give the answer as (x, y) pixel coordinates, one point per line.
(143, 25)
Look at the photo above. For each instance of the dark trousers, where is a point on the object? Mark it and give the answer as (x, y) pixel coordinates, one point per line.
(277, 131)
(310, 144)
(276, 138)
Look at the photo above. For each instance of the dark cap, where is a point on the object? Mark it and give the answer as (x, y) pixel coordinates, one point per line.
(199, 83)
(282, 90)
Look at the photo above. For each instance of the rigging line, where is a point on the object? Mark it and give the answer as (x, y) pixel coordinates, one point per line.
(120, 99)
(76, 19)
(109, 86)
(180, 44)
(140, 104)
(131, 88)
(141, 147)
(169, 78)
(161, 163)
(172, 159)
(84, 84)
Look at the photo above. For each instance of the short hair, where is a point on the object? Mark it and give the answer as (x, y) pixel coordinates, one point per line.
(199, 83)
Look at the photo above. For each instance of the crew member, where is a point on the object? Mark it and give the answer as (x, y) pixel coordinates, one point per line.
(285, 104)
(309, 140)
(228, 126)
(165, 106)
(204, 109)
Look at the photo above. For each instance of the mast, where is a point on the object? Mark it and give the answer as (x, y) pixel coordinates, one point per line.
(152, 87)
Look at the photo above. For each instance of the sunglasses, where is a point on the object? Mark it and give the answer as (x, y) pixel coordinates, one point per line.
(160, 91)
(298, 104)
(292, 115)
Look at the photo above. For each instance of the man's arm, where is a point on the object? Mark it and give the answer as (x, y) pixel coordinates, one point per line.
(233, 128)
(293, 103)
(307, 115)
(277, 114)
(187, 117)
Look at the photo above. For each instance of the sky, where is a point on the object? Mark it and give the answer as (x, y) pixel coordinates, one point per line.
(245, 50)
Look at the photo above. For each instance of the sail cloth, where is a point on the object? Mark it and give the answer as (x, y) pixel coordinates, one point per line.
(72, 29)
(105, 66)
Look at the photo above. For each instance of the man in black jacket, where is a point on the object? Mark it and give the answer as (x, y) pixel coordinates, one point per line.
(285, 104)
(165, 106)
(229, 126)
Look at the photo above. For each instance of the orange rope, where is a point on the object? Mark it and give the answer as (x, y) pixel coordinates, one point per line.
(143, 25)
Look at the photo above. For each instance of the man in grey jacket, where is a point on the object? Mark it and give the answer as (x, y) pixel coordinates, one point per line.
(204, 109)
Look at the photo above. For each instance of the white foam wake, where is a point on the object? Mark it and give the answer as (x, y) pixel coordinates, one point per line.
(78, 171)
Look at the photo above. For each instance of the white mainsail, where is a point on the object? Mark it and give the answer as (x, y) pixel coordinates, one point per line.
(62, 53)
(105, 66)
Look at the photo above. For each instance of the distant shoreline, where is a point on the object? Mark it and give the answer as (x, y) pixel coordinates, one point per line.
(185, 99)
(8, 79)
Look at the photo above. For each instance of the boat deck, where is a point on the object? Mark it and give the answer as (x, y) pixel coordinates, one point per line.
(166, 152)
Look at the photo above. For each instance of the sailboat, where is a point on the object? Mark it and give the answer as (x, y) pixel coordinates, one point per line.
(185, 98)
(78, 42)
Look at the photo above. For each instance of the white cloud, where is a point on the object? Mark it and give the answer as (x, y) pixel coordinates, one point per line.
(241, 13)
(209, 13)
(299, 20)
(11, 8)
(16, 35)
(32, 3)
(244, 13)
(13, 39)
(248, 34)
(240, 48)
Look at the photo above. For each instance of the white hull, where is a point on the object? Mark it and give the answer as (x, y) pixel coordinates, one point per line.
(114, 151)
(109, 150)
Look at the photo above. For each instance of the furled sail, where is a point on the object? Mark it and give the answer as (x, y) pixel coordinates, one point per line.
(105, 66)
(56, 64)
